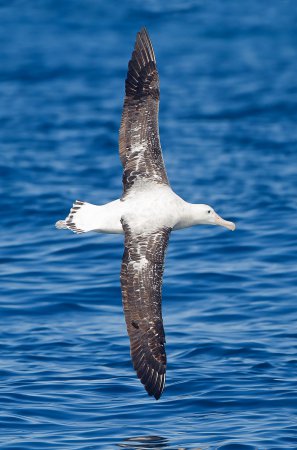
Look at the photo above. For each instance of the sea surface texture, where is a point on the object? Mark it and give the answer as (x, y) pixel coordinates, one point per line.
(228, 115)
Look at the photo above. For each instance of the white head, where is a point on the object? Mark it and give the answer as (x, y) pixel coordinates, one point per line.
(205, 215)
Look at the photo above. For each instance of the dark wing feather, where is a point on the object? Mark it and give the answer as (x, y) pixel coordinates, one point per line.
(139, 142)
(141, 280)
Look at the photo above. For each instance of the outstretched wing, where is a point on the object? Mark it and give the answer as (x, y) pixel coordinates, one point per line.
(139, 142)
(141, 280)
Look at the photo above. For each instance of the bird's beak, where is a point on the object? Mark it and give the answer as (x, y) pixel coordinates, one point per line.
(224, 223)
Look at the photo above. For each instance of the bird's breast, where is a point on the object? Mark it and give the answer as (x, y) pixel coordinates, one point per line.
(156, 207)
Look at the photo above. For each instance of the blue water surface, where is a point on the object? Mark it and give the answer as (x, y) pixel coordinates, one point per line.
(228, 119)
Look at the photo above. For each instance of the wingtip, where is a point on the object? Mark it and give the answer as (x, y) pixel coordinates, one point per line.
(143, 30)
(158, 395)
(144, 40)
(142, 77)
(156, 387)
(152, 379)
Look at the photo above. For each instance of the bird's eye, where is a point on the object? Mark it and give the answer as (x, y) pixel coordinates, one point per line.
(209, 211)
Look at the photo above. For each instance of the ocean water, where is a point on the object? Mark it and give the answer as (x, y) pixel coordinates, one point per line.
(228, 118)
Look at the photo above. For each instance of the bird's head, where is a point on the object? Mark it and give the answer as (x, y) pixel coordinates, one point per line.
(207, 216)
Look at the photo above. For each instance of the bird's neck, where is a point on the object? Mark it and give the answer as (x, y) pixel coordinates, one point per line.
(192, 215)
(196, 215)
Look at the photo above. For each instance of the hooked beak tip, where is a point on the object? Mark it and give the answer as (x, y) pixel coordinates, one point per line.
(232, 226)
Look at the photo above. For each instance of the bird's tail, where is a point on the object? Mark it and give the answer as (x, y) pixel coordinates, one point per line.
(75, 219)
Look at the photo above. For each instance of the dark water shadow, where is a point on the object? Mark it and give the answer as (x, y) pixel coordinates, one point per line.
(155, 442)
(145, 443)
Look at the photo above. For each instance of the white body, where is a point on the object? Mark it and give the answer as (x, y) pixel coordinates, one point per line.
(149, 206)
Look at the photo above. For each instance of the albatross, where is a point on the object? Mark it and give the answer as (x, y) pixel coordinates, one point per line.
(147, 212)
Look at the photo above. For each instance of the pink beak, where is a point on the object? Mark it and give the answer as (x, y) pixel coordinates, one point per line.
(224, 223)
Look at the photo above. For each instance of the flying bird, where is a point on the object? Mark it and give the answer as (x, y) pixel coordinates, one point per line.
(147, 212)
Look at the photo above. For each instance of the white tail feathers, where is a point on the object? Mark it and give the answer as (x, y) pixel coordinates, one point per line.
(75, 220)
(84, 217)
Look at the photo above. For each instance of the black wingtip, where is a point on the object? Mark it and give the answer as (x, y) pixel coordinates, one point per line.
(157, 395)
(142, 77)
(155, 386)
(143, 32)
(143, 40)
(150, 374)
